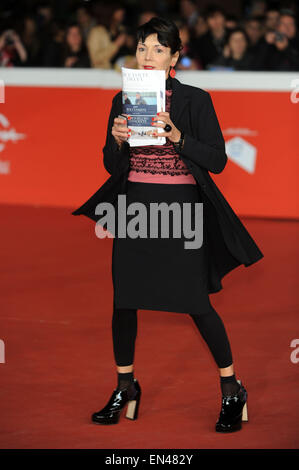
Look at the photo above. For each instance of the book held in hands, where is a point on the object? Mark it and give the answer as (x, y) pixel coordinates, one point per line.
(143, 96)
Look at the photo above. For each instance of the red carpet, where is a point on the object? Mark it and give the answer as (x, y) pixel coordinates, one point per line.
(56, 309)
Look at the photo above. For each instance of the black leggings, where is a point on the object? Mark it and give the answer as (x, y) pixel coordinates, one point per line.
(210, 325)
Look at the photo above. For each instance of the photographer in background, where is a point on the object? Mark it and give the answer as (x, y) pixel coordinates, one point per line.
(12, 51)
(283, 44)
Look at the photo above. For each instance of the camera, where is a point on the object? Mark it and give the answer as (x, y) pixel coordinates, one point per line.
(9, 41)
(279, 37)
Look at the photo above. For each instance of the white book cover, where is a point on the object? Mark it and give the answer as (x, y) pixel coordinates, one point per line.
(143, 96)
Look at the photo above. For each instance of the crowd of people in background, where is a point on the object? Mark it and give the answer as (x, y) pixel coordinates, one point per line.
(96, 34)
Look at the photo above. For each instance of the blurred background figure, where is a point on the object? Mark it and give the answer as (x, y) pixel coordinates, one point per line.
(235, 53)
(103, 34)
(283, 44)
(107, 40)
(31, 40)
(12, 50)
(231, 21)
(128, 58)
(189, 12)
(210, 45)
(200, 28)
(196, 24)
(287, 26)
(52, 52)
(271, 18)
(145, 16)
(45, 23)
(186, 61)
(75, 52)
(85, 19)
(258, 7)
(255, 29)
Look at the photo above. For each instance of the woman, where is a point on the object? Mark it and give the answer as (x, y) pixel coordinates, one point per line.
(107, 40)
(12, 50)
(75, 53)
(157, 273)
(235, 52)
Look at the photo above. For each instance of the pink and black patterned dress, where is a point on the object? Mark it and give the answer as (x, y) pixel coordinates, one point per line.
(159, 163)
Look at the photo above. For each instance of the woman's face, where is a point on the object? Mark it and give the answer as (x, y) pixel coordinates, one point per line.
(118, 15)
(30, 26)
(73, 37)
(151, 55)
(238, 43)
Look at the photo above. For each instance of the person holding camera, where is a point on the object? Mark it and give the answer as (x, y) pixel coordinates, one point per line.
(283, 44)
(12, 51)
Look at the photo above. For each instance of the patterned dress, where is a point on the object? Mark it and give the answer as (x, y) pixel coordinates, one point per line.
(159, 163)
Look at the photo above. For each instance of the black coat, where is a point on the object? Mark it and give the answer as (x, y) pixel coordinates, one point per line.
(192, 111)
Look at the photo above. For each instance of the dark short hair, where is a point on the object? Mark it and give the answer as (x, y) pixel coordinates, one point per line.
(211, 10)
(73, 24)
(256, 18)
(272, 7)
(287, 12)
(167, 31)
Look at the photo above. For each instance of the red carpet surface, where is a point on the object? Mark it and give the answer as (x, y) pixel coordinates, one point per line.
(55, 322)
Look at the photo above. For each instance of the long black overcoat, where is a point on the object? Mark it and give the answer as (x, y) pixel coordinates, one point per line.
(192, 111)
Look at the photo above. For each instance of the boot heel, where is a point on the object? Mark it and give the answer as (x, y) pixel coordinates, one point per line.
(132, 409)
(244, 411)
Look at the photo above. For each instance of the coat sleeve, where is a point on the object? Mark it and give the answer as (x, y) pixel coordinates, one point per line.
(208, 148)
(113, 158)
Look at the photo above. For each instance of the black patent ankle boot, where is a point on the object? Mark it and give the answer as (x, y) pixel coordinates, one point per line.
(233, 411)
(110, 414)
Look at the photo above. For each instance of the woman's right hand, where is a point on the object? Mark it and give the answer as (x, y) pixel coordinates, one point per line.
(120, 131)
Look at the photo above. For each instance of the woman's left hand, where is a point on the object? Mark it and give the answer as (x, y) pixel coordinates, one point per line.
(174, 135)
